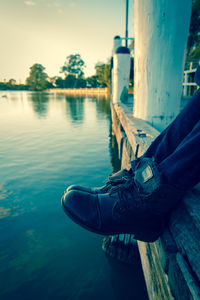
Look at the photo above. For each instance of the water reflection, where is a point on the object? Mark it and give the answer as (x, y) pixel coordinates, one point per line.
(43, 254)
(130, 281)
(40, 103)
(114, 153)
(75, 105)
(103, 106)
(4, 196)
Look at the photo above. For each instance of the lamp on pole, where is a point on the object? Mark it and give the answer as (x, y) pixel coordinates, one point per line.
(126, 33)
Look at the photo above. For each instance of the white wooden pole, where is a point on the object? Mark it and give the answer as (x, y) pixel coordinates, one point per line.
(117, 42)
(161, 31)
(121, 73)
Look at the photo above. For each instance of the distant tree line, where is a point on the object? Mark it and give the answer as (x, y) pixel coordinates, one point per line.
(73, 68)
(193, 46)
(12, 85)
(73, 77)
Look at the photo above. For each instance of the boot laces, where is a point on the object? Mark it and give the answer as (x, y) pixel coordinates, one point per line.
(120, 181)
(125, 192)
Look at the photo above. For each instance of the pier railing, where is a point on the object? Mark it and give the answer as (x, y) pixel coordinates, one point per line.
(189, 86)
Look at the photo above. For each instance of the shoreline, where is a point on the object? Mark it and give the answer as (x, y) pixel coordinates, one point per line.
(83, 91)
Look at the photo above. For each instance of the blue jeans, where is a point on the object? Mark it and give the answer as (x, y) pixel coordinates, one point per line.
(177, 149)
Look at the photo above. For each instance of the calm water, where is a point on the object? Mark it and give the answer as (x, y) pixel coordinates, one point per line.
(47, 143)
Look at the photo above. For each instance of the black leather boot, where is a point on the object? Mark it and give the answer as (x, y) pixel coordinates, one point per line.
(120, 177)
(139, 206)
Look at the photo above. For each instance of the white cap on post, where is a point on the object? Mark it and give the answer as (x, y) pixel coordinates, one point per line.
(117, 43)
(121, 74)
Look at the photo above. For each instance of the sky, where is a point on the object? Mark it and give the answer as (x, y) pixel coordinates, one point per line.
(47, 31)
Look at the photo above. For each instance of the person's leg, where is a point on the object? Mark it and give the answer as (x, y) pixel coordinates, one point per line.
(141, 204)
(166, 143)
(181, 169)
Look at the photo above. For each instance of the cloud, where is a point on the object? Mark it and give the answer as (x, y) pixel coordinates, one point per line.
(72, 4)
(54, 4)
(29, 3)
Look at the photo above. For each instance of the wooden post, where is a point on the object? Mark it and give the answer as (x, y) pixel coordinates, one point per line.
(117, 42)
(121, 73)
(161, 32)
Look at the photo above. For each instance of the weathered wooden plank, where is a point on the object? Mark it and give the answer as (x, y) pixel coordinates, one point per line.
(137, 131)
(182, 283)
(192, 203)
(166, 248)
(127, 156)
(191, 282)
(119, 133)
(129, 150)
(155, 277)
(184, 227)
(126, 125)
(139, 123)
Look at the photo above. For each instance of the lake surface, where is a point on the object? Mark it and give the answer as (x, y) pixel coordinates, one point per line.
(47, 143)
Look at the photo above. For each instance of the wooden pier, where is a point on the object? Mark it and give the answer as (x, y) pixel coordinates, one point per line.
(171, 265)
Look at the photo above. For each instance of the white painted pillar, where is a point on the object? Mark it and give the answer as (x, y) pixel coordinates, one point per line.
(117, 42)
(121, 73)
(161, 31)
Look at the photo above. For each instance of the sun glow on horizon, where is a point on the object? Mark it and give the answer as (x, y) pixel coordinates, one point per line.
(46, 32)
